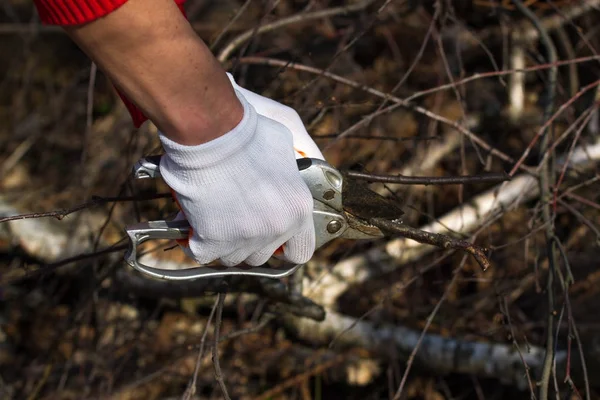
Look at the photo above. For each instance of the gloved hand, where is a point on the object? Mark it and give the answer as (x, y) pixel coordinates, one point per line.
(242, 192)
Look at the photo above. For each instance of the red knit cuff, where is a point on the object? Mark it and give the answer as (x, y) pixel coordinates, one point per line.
(74, 12)
(77, 12)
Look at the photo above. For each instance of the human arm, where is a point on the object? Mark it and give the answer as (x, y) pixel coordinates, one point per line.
(152, 54)
(232, 168)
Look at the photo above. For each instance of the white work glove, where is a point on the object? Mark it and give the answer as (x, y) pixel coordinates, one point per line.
(242, 193)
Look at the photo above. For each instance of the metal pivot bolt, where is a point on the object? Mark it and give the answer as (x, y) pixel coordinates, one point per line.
(334, 226)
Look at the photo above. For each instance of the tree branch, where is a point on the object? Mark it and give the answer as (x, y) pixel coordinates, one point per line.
(434, 239)
(235, 43)
(336, 279)
(389, 97)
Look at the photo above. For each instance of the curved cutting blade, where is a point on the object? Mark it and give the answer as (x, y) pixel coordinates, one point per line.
(360, 205)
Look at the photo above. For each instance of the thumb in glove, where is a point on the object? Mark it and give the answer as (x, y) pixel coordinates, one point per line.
(304, 146)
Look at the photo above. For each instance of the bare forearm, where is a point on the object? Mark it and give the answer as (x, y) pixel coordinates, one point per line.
(152, 54)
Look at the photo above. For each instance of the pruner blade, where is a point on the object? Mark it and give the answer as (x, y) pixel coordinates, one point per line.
(360, 205)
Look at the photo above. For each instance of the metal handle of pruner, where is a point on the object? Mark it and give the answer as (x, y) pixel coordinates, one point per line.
(152, 230)
(324, 182)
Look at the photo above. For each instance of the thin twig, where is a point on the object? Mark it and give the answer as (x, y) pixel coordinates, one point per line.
(430, 180)
(569, 191)
(583, 200)
(504, 72)
(253, 329)
(89, 120)
(191, 389)
(371, 137)
(96, 201)
(182, 358)
(513, 338)
(480, 43)
(581, 119)
(581, 218)
(568, 362)
(568, 159)
(461, 103)
(215, 349)
(41, 382)
(572, 326)
(366, 120)
(545, 182)
(567, 47)
(418, 57)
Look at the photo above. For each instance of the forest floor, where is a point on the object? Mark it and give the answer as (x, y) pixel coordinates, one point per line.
(80, 329)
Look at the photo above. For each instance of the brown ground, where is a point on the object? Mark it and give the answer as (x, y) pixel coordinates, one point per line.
(77, 333)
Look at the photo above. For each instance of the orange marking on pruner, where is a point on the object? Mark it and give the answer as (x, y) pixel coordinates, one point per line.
(303, 154)
(186, 242)
(176, 201)
(182, 242)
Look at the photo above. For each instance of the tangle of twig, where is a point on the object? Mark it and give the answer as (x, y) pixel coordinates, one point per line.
(215, 349)
(225, 54)
(394, 99)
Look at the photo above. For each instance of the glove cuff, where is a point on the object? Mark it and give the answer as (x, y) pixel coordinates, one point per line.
(217, 150)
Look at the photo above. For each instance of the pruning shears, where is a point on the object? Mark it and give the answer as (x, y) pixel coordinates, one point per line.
(341, 210)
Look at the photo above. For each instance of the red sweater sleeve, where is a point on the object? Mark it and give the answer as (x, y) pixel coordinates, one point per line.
(77, 12)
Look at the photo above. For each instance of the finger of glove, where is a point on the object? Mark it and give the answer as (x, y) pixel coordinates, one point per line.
(204, 252)
(261, 257)
(238, 256)
(300, 248)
